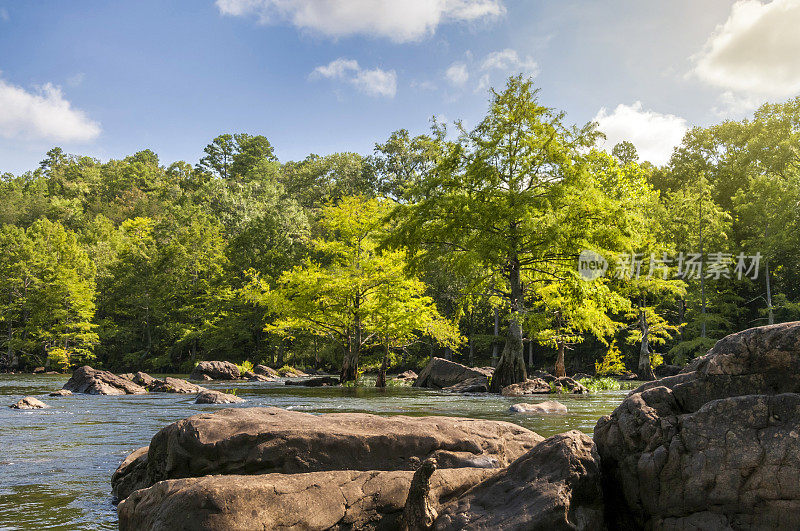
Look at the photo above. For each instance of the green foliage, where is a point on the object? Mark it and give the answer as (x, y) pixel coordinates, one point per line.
(611, 363)
(600, 384)
(244, 367)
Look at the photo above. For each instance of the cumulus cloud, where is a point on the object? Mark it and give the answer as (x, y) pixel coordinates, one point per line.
(42, 114)
(457, 74)
(400, 21)
(754, 54)
(654, 134)
(375, 82)
(508, 60)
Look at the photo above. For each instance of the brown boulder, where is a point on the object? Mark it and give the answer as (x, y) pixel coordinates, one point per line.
(130, 474)
(440, 373)
(265, 371)
(29, 402)
(143, 379)
(260, 378)
(407, 375)
(535, 386)
(566, 384)
(173, 385)
(554, 486)
(61, 392)
(216, 370)
(266, 440)
(544, 408)
(340, 499)
(94, 382)
(39, 370)
(471, 385)
(209, 396)
(715, 447)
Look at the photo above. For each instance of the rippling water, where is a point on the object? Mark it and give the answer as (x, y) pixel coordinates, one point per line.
(56, 463)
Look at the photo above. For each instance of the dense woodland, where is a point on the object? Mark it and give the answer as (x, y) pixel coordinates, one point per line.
(461, 243)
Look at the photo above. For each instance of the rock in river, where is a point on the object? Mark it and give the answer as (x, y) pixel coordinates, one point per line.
(714, 447)
(337, 499)
(173, 385)
(265, 371)
(216, 370)
(534, 386)
(554, 486)
(548, 407)
(29, 402)
(61, 392)
(440, 373)
(94, 382)
(322, 381)
(267, 440)
(471, 385)
(209, 396)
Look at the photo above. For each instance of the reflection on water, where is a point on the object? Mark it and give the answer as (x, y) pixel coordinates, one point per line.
(56, 464)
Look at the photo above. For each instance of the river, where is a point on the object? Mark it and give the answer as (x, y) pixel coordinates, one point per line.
(56, 463)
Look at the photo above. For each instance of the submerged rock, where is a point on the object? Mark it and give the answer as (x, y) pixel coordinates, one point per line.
(216, 370)
(266, 440)
(550, 406)
(336, 499)
(322, 381)
(29, 402)
(94, 382)
(209, 396)
(440, 373)
(532, 386)
(714, 447)
(554, 486)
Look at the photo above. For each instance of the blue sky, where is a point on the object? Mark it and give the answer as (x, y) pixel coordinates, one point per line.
(318, 76)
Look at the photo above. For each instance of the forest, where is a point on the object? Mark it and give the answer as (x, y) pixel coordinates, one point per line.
(462, 243)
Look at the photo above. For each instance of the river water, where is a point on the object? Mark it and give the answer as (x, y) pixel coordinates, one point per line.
(56, 463)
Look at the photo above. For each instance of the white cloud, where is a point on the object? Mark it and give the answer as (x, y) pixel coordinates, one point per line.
(654, 134)
(508, 60)
(754, 54)
(43, 114)
(483, 83)
(457, 74)
(400, 21)
(375, 82)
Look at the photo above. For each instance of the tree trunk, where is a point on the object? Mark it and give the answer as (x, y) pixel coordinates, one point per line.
(645, 371)
(350, 365)
(496, 334)
(381, 382)
(560, 368)
(419, 512)
(530, 353)
(510, 367)
(771, 314)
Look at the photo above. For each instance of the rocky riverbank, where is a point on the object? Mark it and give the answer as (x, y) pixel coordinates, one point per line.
(714, 447)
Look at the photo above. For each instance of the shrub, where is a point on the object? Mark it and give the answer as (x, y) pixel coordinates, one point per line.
(611, 363)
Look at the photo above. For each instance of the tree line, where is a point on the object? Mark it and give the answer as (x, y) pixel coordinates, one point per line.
(462, 243)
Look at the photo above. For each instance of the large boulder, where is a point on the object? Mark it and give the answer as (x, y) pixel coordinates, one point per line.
(94, 382)
(470, 385)
(554, 486)
(532, 386)
(714, 447)
(216, 370)
(29, 402)
(173, 385)
(267, 440)
(130, 474)
(210, 396)
(440, 373)
(664, 370)
(340, 499)
(141, 378)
